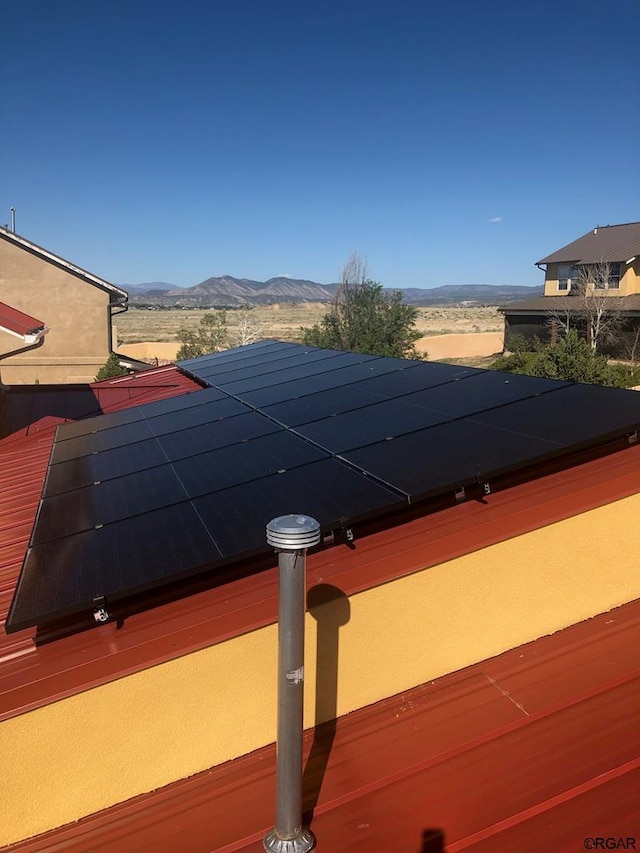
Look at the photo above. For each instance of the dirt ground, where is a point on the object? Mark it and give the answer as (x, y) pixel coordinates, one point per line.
(285, 321)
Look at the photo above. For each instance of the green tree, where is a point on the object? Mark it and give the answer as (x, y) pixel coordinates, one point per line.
(111, 368)
(571, 359)
(365, 318)
(210, 336)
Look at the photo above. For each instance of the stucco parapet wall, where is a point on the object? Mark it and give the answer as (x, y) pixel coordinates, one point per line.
(426, 624)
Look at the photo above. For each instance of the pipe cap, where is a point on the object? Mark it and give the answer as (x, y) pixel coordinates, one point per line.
(293, 532)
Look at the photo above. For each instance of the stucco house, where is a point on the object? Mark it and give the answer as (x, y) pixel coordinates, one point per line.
(603, 264)
(76, 306)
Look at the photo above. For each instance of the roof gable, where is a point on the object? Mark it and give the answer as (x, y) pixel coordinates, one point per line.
(608, 243)
(116, 293)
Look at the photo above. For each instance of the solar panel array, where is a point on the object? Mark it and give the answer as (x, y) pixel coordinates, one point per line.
(149, 495)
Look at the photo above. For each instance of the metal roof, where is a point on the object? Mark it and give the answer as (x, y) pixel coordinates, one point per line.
(18, 323)
(548, 304)
(121, 296)
(603, 243)
(536, 749)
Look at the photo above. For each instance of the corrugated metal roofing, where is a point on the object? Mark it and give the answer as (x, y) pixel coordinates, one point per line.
(604, 243)
(537, 749)
(18, 322)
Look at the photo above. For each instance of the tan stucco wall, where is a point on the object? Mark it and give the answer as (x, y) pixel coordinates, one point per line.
(89, 751)
(76, 312)
(629, 281)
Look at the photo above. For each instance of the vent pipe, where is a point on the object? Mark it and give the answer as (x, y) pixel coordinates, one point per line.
(290, 535)
(13, 220)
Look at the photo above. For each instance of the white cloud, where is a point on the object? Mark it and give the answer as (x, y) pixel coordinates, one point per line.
(496, 219)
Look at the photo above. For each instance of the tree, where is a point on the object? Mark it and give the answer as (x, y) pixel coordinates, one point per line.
(248, 331)
(591, 308)
(111, 368)
(571, 359)
(210, 336)
(364, 317)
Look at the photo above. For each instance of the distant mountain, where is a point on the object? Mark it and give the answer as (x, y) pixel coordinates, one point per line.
(477, 294)
(148, 287)
(230, 291)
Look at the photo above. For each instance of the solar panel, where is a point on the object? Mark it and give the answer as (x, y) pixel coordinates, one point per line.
(456, 454)
(379, 422)
(231, 514)
(142, 497)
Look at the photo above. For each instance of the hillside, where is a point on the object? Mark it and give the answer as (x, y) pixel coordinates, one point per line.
(230, 291)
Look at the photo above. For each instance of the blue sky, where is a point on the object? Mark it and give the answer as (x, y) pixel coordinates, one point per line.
(448, 141)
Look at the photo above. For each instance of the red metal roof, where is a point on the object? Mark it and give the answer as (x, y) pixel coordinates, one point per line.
(536, 749)
(17, 322)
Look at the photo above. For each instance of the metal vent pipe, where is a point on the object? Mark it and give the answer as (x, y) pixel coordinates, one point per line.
(290, 535)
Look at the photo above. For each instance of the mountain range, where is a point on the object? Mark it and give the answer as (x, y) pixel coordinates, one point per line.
(229, 291)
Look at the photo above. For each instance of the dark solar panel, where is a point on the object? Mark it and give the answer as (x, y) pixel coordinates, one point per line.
(117, 462)
(237, 516)
(239, 463)
(482, 390)
(289, 374)
(103, 503)
(379, 422)
(163, 490)
(323, 404)
(332, 379)
(64, 577)
(200, 439)
(457, 453)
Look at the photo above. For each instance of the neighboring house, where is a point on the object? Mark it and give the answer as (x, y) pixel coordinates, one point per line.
(77, 306)
(473, 606)
(602, 264)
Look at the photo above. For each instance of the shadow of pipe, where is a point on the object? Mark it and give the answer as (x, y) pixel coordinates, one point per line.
(330, 607)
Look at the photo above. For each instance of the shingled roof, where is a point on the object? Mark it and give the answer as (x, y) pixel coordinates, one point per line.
(603, 243)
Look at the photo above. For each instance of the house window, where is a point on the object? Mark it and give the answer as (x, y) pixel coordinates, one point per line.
(605, 276)
(568, 275)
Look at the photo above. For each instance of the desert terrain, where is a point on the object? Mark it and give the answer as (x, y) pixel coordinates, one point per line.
(285, 322)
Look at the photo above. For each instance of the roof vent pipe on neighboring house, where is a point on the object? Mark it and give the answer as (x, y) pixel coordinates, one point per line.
(290, 535)
(13, 220)
(595, 230)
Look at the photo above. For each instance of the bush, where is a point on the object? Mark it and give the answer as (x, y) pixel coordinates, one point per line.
(210, 336)
(111, 368)
(365, 318)
(571, 359)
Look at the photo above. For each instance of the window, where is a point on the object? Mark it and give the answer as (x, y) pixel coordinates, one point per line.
(604, 276)
(568, 275)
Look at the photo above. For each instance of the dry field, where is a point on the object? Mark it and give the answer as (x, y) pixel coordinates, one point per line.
(284, 321)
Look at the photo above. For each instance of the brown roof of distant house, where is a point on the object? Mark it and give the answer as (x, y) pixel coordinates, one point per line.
(546, 304)
(603, 243)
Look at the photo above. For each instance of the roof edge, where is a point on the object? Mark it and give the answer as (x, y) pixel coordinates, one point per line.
(56, 259)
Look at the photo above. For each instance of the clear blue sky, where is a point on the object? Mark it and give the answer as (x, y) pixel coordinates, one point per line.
(449, 141)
